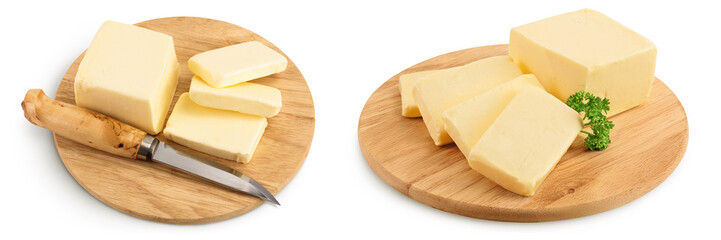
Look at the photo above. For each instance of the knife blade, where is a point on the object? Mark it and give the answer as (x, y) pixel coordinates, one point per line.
(110, 135)
(166, 154)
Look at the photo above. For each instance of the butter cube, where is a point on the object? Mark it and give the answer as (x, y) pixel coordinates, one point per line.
(407, 82)
(245, 97)
(129, 73)
(526, 141)
(233, 64)
(467, 121)
(438, 92)
(225, 134)
(586, 50)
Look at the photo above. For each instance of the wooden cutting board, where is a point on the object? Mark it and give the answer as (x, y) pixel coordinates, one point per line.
(648, 142)
(160, 193)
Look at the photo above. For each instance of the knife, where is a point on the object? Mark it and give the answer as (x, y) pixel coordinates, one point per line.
(110, 135)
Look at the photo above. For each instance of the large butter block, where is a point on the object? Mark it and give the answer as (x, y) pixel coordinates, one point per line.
(407, 82)
(586, 50)
(436, 93)
(129, 73)
(243, 97)
(225, 134)
(526, 141)
(233, 64)
(467, 121)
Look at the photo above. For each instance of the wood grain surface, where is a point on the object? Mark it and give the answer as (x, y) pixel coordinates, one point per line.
(648, 142)
(159, 193)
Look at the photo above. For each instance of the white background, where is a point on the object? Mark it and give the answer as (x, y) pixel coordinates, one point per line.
(346, 51)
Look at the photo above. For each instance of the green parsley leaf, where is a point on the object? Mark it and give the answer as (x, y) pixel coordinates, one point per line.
(594, 111)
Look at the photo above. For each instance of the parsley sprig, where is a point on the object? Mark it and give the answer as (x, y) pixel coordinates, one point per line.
(594, 110)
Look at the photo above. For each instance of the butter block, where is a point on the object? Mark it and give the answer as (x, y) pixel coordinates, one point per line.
(409, 108)
(233, 64)
(467, 121)
(245, 97)
(129, 73)
(586, 50)
(437, 93)
(526, 141)
(225, 134)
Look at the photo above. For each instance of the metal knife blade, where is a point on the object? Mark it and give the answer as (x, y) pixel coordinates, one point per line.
(166, 154)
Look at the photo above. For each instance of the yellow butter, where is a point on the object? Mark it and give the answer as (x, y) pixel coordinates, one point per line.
(467, 121)
(129, 73)
(225, 134)
(526, 141)
(233, 64)
(440, 91)
(586, 50)
(409, 108)
(245, 97)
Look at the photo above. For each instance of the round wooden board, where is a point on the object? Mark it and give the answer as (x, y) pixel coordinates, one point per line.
(160, 193)
(648, 143)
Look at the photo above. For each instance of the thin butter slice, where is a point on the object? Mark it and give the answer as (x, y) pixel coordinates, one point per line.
(129, 73)
(409, 108)
(243, 97)
(225, 134)
(526, 141)
(467, 121)
(233, 64)
(438, 92)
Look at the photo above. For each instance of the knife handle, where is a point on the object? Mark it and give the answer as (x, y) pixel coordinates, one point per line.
(82, 125)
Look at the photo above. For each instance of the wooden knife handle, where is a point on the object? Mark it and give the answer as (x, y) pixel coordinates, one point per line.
(82, 125)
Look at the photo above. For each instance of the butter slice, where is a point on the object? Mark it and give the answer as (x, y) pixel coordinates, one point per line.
(243, 97)
(225, 134)
(586, 50)
(409, 108)
(437, 93)
(233, 64)
(526, 141)
(129, 73)
(467, 121)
